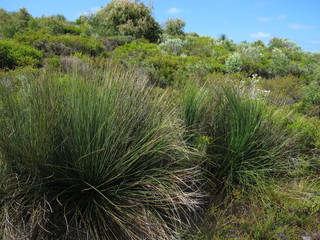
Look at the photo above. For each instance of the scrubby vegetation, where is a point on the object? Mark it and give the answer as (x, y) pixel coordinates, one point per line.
(112, 127)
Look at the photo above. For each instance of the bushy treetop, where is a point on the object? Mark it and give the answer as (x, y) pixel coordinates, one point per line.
(125, 17)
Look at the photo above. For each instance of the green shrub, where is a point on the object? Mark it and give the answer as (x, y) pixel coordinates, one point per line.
(312, 92)
(110, 43)
(234, 63)
(72, 29)
(12, 23)
(173, 46)
(135, 52)
(127, 18)
(279, 63)
(14, 55)
(163, 69)
(61, 44)
(283, 90)
(92, 155)
(174, 27)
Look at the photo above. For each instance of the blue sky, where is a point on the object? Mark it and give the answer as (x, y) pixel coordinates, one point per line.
(240, 20)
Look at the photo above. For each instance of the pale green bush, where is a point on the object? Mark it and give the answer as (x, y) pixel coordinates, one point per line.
(173, 46)
(234, 63)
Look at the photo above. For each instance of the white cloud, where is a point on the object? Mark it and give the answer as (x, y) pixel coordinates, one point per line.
(174, 11)
(314, 41)
(301, 27)
(262, 4)
(282, 17)
(260, 35)
(263, 19)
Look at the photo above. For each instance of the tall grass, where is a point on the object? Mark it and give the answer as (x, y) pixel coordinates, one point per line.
(93, 153)
(243, 146)
(247, 145)
(195, 105)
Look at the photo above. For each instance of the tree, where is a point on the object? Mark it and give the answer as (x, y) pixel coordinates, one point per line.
(258, 43)
(283, 43)
(174, 27)
(127, 18)
(12, 23)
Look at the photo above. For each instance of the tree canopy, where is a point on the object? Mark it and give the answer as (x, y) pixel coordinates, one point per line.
(125, 17)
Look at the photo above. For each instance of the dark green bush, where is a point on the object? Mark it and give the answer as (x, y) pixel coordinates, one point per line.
(14, 55)
(12, 23)
(61, 44)
(110, 43)
(163, 69)
(135, 52)
(72, 29)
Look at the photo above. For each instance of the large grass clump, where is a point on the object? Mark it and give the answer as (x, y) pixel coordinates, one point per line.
(242, 144)
(92, 153)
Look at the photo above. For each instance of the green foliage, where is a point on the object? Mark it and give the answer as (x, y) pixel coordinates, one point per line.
(283, 90)
(258, 43)
(12, 23)
(135, 52)
(246, 143)
(13, 55)
(282, 43)
(173, 46)
(195, 102)
(92, 154)
(162, 70)
(312, 92)
(279, 64)
(253, 53)
(285, 211)
(61, 44)
(200, 46)
(127, 18)
(110, 43)
(200, 68)
(307, 134)
(245, 146)
(234, 63)
(174, 27)
(52, 24)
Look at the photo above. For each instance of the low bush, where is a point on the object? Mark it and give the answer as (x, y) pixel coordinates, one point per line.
(162, 70)
(173, 46)
(135, 52)
(61, 44)
(14, 55)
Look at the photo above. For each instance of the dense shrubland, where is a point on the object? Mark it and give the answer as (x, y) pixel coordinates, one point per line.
(112, 127)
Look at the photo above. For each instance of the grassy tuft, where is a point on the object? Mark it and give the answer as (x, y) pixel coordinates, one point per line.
(91, 154)
(246, 145)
